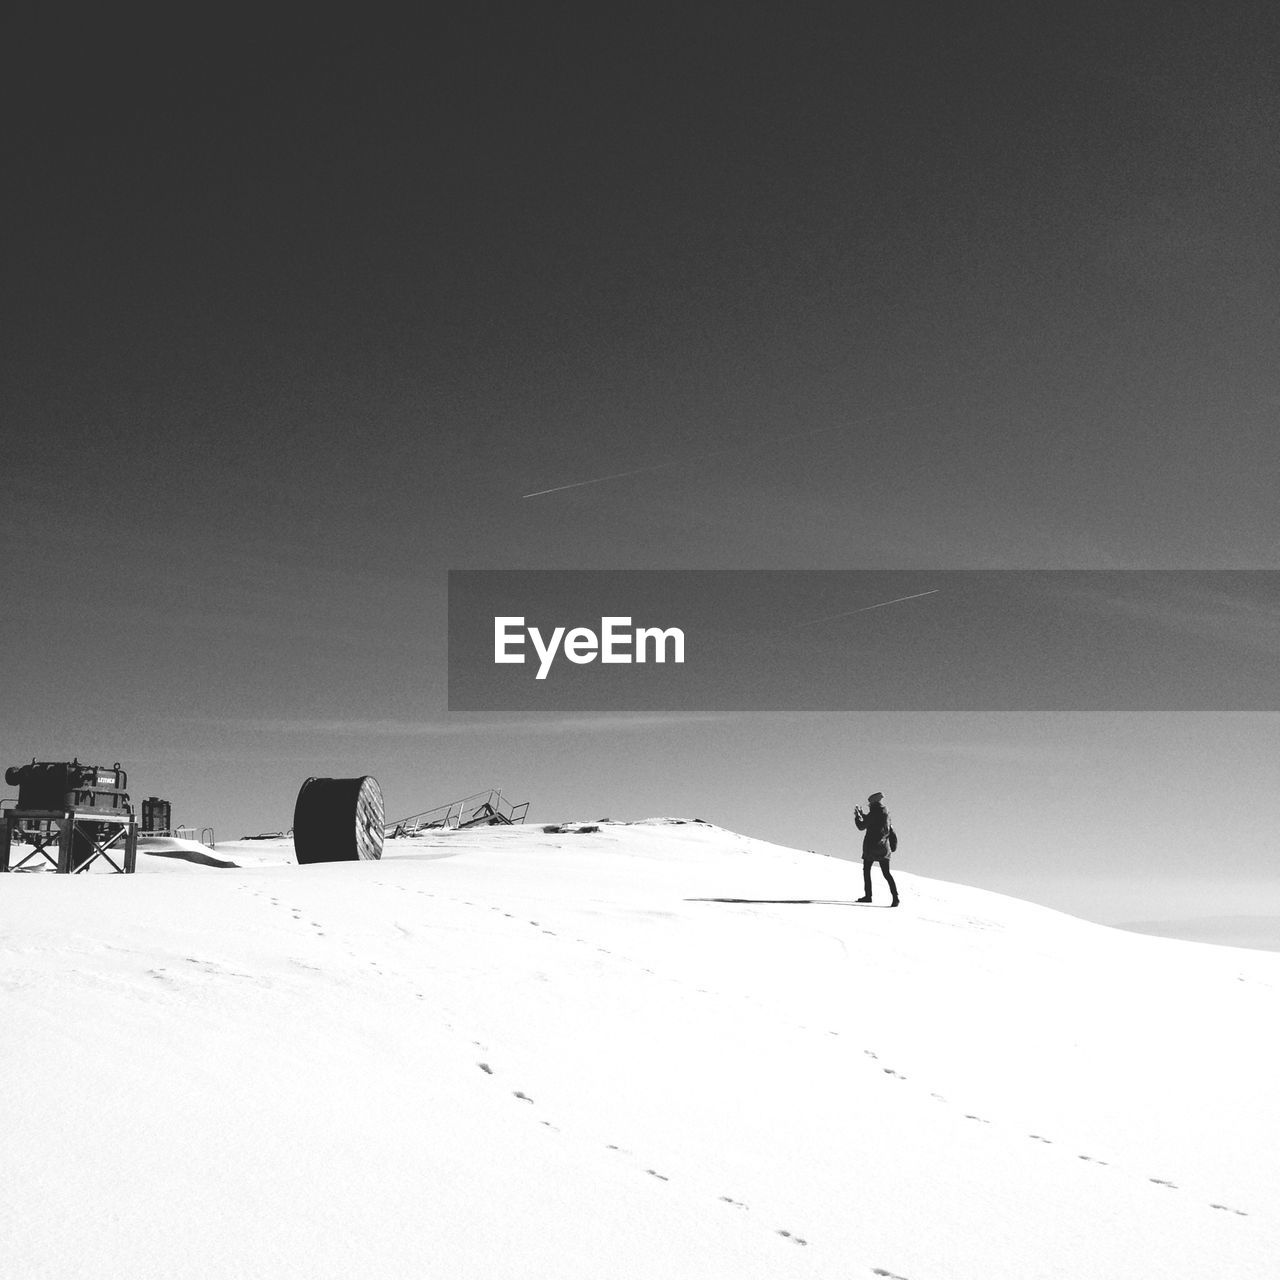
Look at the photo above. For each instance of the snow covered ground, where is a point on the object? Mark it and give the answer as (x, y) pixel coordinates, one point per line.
(648, 1050)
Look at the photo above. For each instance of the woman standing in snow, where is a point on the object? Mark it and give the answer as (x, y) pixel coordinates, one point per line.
(879, 840)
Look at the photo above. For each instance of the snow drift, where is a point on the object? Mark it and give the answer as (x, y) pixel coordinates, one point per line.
(618, 1050)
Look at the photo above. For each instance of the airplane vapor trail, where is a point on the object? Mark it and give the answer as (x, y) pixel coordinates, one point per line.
(619, 475)
(883, 420)
(684, 462)
(813, 622)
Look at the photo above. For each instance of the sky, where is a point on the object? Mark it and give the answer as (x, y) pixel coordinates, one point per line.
(296, 315)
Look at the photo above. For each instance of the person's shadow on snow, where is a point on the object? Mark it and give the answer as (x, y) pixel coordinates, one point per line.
(794, 902)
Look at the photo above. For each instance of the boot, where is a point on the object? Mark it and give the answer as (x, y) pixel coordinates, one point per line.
(866, 899)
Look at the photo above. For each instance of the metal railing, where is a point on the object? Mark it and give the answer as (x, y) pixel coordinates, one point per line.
(188, 833)
(478, 809)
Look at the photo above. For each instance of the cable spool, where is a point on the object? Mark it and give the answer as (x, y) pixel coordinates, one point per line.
(338, 820)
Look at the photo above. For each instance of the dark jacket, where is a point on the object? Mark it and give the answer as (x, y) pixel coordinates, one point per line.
(879, 838)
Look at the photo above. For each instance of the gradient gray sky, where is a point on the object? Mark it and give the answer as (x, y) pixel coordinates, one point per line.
(295, 318)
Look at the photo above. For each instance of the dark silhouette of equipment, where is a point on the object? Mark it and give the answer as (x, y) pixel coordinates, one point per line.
(157, 817)
(338, 820)
(81, 811)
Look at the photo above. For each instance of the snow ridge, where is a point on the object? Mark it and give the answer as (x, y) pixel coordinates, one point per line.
(634, 1049)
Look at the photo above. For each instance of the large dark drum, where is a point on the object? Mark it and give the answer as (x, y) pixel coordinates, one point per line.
(338, 820)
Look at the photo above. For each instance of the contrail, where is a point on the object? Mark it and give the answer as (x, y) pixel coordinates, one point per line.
(813, 622)
(681, 462)
(619, 475)
(720, 453)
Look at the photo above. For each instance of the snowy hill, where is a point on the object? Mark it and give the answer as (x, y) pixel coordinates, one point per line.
(618, 1050)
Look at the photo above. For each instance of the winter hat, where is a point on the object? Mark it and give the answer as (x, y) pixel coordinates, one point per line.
(875, 797)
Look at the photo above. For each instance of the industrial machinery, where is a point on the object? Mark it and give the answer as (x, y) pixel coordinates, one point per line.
(71, 814)
(157, 817)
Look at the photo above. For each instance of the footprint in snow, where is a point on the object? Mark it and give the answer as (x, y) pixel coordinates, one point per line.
(979, 1119)
(888, 1275)
(793, 1239)
(656, 1174)
(1229, 1209)
(524, 1097)
(737, 1204)
(1163, 1182)
(1091, 1159)
(1037, 1137)
(485, 1067)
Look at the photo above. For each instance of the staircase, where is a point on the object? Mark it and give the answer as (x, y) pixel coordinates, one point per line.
(480, 809)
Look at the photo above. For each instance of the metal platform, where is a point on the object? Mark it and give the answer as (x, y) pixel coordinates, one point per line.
(482, 808)
(79, 837)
